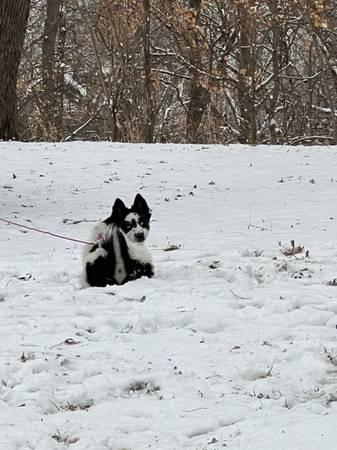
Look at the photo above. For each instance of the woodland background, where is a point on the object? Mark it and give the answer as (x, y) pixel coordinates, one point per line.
(198, 71)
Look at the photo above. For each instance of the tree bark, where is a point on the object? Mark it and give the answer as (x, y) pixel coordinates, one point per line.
(13, 22)
(248, 129)
(60, 86)
(199, 94)
(49, 95)
(148, 84)
(276, 41)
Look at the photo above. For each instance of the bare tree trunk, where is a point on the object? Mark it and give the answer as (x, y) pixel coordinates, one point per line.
(276, 39)
(310, 89)
(246, 74)
(199, 95)
(148, 131)
(13, 22)
(49, 97)
(59, 108)
(325, 47)
(326, 87)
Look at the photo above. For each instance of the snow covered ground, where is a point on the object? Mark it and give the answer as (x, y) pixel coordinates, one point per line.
(232, 345)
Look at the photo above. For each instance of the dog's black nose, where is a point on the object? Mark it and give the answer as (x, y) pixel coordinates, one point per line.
(139, 237)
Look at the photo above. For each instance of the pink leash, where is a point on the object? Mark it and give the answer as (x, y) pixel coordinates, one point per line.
(45, 232)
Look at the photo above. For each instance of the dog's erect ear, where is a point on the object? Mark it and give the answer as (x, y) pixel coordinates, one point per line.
(140, 205)
(119, 210)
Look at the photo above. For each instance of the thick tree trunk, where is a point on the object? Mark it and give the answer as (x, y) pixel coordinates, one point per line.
(13, 21)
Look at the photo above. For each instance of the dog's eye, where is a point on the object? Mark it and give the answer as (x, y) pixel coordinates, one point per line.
(128, 226)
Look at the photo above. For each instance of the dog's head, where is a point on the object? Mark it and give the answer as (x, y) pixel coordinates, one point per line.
(134, 221)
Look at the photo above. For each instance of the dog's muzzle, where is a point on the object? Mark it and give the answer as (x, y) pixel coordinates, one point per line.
(139, 237)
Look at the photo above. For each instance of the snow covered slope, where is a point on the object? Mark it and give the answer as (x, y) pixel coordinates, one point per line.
(232, 345)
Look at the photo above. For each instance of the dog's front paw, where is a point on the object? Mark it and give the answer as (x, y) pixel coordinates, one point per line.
(149, 270)
(141, 270)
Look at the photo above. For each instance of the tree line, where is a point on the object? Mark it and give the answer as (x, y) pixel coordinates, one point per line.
(197, 71)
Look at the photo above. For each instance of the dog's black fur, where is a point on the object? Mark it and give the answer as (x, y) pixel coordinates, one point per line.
(119, 254)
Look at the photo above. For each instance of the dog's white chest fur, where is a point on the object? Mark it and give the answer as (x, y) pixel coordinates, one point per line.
(139, 252)
(120, 272)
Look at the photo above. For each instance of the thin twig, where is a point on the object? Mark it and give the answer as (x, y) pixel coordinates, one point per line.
(239, 296)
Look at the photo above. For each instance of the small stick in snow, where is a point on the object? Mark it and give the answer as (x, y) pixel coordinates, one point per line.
(195, 409)
(68, 341)
(239, 296)
(172, 247)
(76, 222)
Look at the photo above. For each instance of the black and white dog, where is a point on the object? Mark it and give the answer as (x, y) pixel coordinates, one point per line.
(119, 254)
